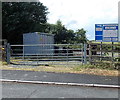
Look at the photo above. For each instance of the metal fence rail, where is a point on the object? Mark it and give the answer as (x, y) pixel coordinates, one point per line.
(50, 54)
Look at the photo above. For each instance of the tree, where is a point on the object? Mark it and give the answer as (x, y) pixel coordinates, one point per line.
(22, 17)
(71, 36)
(80, 36)
(62, 34)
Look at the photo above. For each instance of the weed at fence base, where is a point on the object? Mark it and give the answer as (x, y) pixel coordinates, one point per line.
(106, 65)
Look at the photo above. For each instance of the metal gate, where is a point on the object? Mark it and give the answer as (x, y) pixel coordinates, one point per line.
(48, 54)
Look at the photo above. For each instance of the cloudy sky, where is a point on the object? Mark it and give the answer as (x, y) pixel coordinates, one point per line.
(77, 14)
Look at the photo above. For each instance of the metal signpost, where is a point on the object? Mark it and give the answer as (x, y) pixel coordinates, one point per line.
(119, 24)
(106, 32)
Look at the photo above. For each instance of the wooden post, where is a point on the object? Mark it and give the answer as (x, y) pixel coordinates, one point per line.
(101, 51)
(85, 54)
(3, 52)
(112, 58)
(82, 54)
(90, 53)
(3, 49)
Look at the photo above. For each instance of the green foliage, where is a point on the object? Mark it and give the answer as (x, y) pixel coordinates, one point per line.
(3, 63)
(111, 66)
(101, 65)
(117, 59)
(64, 35)
(22, 17)
(78, 68)
(80, 36)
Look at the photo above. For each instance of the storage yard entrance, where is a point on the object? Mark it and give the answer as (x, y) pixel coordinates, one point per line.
(63, 54)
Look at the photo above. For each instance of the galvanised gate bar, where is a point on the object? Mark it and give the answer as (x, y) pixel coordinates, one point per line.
(48, 54)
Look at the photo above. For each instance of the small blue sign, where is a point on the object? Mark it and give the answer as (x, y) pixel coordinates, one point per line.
(98, 37)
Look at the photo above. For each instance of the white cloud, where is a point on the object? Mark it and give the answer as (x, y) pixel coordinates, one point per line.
(82, 13)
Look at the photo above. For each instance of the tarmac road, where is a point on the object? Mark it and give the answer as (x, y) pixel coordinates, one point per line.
(24, 90)
(59, 77)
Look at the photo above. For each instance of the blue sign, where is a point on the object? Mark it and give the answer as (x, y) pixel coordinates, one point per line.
(106, 32)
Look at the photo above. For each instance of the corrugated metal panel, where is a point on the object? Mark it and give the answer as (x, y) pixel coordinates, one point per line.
(38, 38)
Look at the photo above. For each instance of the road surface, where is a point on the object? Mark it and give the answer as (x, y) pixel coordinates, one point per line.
(24, 90)
(58, 77)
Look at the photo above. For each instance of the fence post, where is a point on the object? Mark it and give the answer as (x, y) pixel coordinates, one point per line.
(90, 53)
(112, 58)
(82, 54)
(67, 55)
(23, 53)
(8, 53)
(85, 54)
(101, 51)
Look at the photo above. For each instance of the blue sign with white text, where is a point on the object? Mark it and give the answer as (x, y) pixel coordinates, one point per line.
(106, 32)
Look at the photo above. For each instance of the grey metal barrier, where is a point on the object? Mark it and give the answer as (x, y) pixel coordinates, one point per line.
(48, 54)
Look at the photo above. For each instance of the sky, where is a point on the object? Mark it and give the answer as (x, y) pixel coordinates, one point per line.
(77, 14)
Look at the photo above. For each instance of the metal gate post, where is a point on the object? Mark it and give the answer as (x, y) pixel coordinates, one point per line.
(8, 53)
(85, 54)
(82, 53)
(67, 56)
(23, 54)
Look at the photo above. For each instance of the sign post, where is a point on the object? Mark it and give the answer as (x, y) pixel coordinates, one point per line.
(119, 20)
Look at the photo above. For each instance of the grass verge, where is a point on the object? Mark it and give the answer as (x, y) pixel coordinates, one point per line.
(78, 69)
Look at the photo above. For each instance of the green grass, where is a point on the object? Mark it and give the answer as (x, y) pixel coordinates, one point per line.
(101, 65)
(78, 68)
(3, 63)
